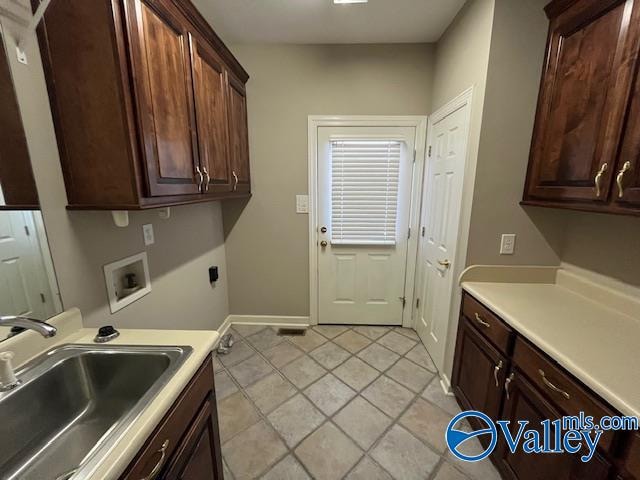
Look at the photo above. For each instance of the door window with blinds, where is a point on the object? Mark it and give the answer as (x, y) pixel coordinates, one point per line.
(365, 178)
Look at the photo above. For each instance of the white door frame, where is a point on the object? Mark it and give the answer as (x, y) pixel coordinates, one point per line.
(464, 99)
(420, 123)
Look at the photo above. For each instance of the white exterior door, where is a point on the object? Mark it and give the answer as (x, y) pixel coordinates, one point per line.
(24, 288)
(364, 183)
(441, 211)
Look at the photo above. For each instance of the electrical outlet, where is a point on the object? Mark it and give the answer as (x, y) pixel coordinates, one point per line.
(302, 203)
(147, 232)
(508, 244)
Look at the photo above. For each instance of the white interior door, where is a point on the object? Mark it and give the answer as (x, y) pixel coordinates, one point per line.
(24, 286)
(441, 212)
(364, 200)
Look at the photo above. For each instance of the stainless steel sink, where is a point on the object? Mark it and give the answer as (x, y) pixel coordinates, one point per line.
(74, 403)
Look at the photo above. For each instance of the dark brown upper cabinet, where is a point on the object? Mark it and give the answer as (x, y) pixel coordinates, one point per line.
(141, 103)
(210, 88)
(585, 97)
(239, 135)
(16, 177)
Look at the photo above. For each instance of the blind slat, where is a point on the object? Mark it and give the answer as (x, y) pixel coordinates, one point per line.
(365, 177)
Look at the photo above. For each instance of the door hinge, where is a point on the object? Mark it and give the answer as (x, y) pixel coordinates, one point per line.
(26, 230)
(429, 151)
(415, 154)
(417, 303)
(424, 230)
(409, 234)
(404, 301)
(42, 297)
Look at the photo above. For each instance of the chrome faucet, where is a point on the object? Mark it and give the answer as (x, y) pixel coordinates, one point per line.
(39, 326)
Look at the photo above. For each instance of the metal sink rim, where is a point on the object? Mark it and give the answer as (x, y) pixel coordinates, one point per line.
(48, 360)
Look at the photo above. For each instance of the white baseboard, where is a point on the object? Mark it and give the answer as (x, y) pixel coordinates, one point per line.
(226, 325)
(271, 320)
(445, 383)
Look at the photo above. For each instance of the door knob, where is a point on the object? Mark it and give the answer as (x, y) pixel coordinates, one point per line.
(323, 230)
(323, 243)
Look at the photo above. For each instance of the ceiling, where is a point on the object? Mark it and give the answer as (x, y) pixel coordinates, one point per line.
(320, 21)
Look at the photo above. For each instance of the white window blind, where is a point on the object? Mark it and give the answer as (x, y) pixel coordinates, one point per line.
(365, 176)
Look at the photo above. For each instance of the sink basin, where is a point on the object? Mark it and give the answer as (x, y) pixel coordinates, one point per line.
(74, 403)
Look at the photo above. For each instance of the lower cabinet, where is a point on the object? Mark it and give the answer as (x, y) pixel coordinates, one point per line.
(508, 378)
(186, 444)
(524, 402)
(479, 373)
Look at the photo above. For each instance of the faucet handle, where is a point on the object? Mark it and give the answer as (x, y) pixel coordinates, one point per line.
(8, 378)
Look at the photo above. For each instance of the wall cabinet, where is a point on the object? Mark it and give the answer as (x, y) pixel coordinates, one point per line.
(586, 108)
(145, 103)
(17, 185)
(508, 378)
(186, 444)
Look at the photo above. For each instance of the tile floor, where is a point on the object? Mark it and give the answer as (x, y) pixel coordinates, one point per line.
(337, 403)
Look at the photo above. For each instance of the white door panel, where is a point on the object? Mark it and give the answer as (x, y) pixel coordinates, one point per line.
(363, 283)
(23, 284)
(441, 218)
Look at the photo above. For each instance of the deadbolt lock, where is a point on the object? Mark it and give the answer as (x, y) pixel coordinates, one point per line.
(323, 243)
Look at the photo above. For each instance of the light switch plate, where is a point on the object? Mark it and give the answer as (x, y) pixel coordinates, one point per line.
(508, 244)
(302, 203)
(147, 232)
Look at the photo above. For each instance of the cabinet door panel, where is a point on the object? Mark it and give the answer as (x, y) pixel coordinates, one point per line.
(525, 403)
(478, 372)
(626, 192)
(583, 100)
(209, 81)
(165, 99)
(239, 136)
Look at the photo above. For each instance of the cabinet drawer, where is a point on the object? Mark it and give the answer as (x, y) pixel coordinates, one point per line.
(565, 393)
(164, 442)
(632, 460)
(498, 332)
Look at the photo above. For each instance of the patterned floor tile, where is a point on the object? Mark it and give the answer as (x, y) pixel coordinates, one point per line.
(265, 339)
(224, 385)
(239, 352)
(427, 422)
(287, 469)
(303, 371)
(328, 453)
(378, 357)
(295, 419)
(235, 414)
(436, 395)
(367, 469)
(410, 375)
(352, 341)
(388, 395)
(363, 422)
(282, 354)
(270, 392)
(371, 332)
(397, 343)
(330, 355)
(330, 331)
(419, 355)
(329, 394)
(254, 451)
(250, 371)
(309, 341)
(355, 373)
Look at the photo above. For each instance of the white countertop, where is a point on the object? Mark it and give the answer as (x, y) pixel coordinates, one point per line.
(116, 460)
(593, 341)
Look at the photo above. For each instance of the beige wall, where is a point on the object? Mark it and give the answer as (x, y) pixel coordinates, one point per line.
(605, 244)
(515, 64)
(267, 242)
(82, 242)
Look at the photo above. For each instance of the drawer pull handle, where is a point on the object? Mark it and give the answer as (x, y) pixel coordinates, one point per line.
(625, 168)
(163, 455)
(480, 320)
(507, 382)
(496, 370)
(207, 179)
(200, 177)
(598, 180)
(552, 386)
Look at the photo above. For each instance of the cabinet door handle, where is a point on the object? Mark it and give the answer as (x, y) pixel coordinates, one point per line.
(625, 168)
(235, 180)
(163, 456)
(507, 382)
(200, 177)
(482, 322)
(496, 370)
(207, 179)
(552, 387)
(598, 180)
